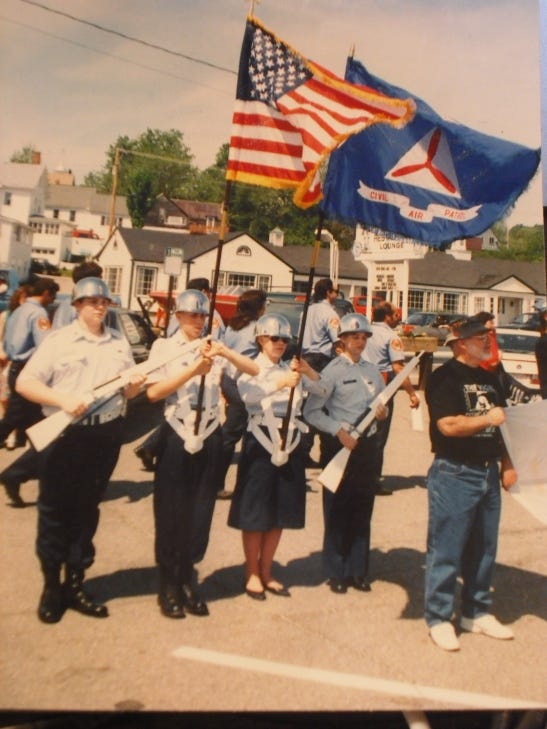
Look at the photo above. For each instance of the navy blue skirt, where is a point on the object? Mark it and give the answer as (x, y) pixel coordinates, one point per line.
(267, 496)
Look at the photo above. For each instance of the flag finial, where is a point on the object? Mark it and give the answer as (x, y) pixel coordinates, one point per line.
(252, 7)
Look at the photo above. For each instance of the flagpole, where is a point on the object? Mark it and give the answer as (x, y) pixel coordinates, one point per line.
(287, 419)
(224, 228)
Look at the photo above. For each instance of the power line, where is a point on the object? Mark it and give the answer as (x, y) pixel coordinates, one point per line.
(129, 37)
(112, 55)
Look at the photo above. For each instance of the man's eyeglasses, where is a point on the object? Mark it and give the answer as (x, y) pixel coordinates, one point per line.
(285, 340)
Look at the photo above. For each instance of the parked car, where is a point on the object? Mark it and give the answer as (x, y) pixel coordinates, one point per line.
(517, 347)
(42, 265)
(428, 323)
(525, 321)
(517, 350)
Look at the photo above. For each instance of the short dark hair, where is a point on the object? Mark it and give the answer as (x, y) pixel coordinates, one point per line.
(249, 306)
(321, 288)
(43, 284)
(381, 311)
(199, 284)
(86, 269)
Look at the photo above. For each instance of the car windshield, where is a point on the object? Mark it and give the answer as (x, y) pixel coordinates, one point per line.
(516, 342)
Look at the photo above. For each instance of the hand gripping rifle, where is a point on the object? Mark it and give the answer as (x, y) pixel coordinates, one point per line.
(331, 475)
(47, 430)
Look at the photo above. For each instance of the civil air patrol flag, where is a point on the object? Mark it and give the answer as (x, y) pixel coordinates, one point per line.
(433, 180)
(290, 113)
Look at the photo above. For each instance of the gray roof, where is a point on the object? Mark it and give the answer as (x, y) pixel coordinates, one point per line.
(442, 269)
(19, 175)
(435, 269)
(83, 198)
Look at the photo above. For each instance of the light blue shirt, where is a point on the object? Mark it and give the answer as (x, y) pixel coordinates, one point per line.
(26, 328)
(384, 347)
(348, 390)
(321, 329)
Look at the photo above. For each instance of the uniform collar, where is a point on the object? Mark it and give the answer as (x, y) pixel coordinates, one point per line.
(265, 362)
(78, 332)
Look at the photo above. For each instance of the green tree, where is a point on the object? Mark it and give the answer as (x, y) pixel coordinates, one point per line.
(154, 163)
(140, 196)
(523, 243)
(24, 155)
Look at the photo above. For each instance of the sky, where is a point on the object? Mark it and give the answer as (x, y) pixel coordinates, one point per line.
(70, 89)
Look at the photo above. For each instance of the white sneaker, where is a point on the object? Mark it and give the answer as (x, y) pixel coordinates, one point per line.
(487, 625)
(444, 636)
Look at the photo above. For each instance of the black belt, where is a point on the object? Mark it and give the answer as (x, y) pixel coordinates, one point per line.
(483, 463)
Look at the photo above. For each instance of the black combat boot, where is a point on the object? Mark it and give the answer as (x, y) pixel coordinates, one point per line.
(192, 601)
(78, 599)
(52, 604)
(169, 595)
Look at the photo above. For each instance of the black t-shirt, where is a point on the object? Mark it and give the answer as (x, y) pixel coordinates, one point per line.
(541, 358)
(457, 389)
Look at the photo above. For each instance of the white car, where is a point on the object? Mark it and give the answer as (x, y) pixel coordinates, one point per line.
(517, 347)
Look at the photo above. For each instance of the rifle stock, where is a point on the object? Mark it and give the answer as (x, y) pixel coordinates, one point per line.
(44, 432)
(332, 474)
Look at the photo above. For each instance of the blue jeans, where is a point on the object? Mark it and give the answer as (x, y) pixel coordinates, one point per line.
(464, 514)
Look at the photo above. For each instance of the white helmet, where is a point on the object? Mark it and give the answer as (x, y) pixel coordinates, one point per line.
(90, 286)
(352, 323)
(192, 302)
(273, 325)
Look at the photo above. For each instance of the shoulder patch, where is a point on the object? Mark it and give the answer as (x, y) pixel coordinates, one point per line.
(334, 322)
(43, 323)
(396, 344)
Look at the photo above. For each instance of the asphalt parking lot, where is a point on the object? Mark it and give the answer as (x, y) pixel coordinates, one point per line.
(314, 652)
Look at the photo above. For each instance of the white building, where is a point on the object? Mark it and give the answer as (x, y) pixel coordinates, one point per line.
(22, 196)
(75, 223)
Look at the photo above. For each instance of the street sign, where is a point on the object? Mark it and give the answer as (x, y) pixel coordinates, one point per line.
(173, 261)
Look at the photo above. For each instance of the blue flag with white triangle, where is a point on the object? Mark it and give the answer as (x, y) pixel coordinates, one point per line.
(433, 180)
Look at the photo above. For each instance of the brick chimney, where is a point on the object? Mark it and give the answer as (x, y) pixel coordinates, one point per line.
(36, 158)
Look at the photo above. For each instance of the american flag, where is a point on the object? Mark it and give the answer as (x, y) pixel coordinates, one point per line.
(290, 113)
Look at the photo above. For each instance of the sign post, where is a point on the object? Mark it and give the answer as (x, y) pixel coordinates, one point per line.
(386, 258)
(172, 266)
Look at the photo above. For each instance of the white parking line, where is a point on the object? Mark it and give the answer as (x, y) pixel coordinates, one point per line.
(352, 680)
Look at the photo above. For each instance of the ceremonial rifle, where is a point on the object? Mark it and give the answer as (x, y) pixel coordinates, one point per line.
(331, 475)
(47, 430)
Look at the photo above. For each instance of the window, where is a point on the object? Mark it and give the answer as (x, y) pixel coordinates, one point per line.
(451, 302)
(51, 228)
(37, 227)
(56, 213)
(7, 198)
(113, 277)
(145, 280)
(243, 251)
(119, 222)
(72, 216)
(245, 280)
(416, 299)
(104, 220)
(479, 304)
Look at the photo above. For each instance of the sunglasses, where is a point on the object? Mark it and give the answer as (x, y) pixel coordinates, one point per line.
(285, 340)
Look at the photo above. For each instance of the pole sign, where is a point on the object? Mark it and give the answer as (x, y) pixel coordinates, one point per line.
(172, 263)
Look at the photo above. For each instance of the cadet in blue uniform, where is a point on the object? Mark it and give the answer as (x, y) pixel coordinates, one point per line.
(350, 385)
(385, 350)
(185, 480)
(270, 492)
(322, 321)
(26, 328)
(241, 337)
(67, 366)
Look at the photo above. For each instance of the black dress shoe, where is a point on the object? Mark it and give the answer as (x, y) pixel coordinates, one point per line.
(146, 457)
(192, 602)
(83, 603)
(170, 603)
(78, 599)
(338, 586)
(361, 583)
(12, 490)
(281, 591)
(52, 605)
(255, 595)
